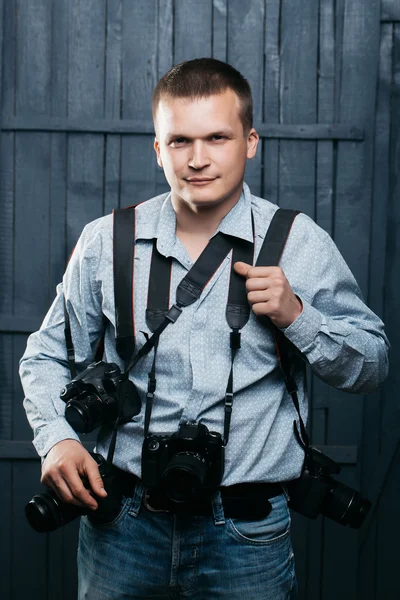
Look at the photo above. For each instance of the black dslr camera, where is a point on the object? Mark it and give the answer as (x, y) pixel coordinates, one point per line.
(182, 464)
(95, 397)
(46, 512)
(315, 492)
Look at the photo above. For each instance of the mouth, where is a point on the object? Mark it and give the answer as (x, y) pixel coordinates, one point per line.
(200, 180)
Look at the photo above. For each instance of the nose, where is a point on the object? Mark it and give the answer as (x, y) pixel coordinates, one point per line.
(199, 157)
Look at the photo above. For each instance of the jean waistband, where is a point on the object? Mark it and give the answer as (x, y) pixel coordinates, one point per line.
(242, 500)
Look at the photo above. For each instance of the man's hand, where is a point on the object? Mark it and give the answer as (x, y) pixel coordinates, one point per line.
(63, 469)
(269, 293)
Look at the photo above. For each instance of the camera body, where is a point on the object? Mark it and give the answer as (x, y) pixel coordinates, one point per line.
(46, 512)
(316, 492)
(95, 397)
(182, 464)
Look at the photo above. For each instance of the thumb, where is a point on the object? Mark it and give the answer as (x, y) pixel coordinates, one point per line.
(242, 268)
(94, 477)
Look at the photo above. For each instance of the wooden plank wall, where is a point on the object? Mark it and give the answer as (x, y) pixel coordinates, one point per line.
(76, 140)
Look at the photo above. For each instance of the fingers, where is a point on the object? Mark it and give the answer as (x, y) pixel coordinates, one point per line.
(67, 483)
(64, 469)
(251, 272)
(94, 478)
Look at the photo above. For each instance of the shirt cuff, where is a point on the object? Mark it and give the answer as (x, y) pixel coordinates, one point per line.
(303, 331)
(49, 435)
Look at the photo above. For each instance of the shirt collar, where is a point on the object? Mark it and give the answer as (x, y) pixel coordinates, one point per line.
(237, 223)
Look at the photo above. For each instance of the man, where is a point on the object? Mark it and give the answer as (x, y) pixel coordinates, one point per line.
(202, 113)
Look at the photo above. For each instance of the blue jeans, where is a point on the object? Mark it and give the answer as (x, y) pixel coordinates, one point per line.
(146, 554)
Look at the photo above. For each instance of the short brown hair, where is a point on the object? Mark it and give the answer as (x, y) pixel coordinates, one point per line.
(201, 78)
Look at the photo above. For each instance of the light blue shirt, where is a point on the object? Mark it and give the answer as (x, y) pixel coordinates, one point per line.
(336, 334)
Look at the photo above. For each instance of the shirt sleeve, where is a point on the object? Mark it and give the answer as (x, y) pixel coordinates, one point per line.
(44, 369)
(341, 338)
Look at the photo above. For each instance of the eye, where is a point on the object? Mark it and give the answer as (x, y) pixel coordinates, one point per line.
(180, 141)
(217, 138)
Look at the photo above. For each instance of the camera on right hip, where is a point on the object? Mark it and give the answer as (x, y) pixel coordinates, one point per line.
(315, 492)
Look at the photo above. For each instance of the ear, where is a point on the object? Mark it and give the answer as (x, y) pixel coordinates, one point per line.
(252, 143)
(156, 146)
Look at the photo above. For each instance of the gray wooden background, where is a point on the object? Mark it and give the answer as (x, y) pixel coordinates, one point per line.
(76, 140)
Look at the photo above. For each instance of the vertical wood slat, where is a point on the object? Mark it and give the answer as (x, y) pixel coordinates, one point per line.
(323, 214)
(29, 548)
(387, 475)
(390, 10)
(6, 537)
(192, 29)
(20, 426)
(360, 43)
(219, 29)
(31, 241)
(138, 164)
(113, 103)
(246, 21)
(379, 218)
(86, 66)
(34, 43)
(58, 146)
(271, 104)
(298, 101)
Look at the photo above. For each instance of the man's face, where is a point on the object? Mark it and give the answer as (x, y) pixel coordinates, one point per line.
(202, 148)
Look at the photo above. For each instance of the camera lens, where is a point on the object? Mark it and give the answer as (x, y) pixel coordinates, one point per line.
(45, 512)
(85, 415)
(345, 505)
(184, 475)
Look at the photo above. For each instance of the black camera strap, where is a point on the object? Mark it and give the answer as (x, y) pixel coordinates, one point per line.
(269, 256)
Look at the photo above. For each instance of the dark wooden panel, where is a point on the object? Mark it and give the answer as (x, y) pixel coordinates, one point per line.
(298, 98)
(33, 71)
(85, 99)
(192, 29)
(59, 63)
(351, 228)
(86, 47)
(9, 58)
(379, 216)
(20, 427)
(388, 585)
(7, 221)
(246, 21)
(165, 37)
(271, 103)
(29, 548)
(20, 324)
(138, 163)
(7, 387)
(57, 216)
(219, 29)
(390, 11)
(140, 74)
(6, 537)
(32, 204)
(85, 183)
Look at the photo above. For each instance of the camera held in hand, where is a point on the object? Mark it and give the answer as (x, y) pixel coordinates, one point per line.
(46, 512)
(316, 492)
(96, 396)
(184, 463)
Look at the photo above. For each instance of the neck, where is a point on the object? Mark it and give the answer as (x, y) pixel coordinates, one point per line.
(200, 221)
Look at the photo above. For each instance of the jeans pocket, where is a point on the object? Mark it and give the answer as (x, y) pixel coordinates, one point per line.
(99, 522)
(273, 528)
